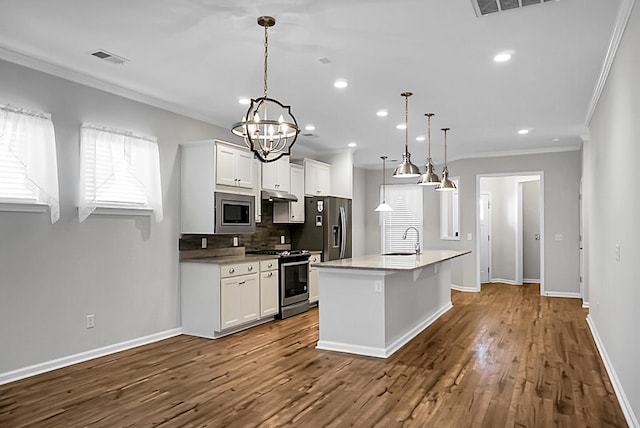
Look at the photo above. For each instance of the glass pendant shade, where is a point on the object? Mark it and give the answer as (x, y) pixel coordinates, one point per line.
(268, 138)
(406, 169)
(383, 206)
(446, 184)
(429, 178)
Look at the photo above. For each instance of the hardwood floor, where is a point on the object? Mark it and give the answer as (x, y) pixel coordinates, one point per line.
(505, 357)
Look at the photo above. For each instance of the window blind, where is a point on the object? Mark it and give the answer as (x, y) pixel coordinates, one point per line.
(118, 170)
(406, 201)
(28, 162)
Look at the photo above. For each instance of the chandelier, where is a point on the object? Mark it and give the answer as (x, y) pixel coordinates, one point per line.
(406, 169)
(268, 138)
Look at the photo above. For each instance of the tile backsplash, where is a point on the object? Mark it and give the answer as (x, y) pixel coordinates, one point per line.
(266, 236)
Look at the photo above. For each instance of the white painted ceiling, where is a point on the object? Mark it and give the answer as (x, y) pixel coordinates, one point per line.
(197, 57)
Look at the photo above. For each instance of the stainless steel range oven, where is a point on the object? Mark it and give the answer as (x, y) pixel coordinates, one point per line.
(293, 268)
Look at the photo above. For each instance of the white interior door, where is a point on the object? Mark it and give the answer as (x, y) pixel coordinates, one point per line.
(485, 237)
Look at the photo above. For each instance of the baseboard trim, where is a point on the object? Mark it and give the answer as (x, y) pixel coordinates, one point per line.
(562, 294)
(585, 304)
(58, 363)
(629, 415)
(464, 289)
(386, 352)
(531, 280)
(504, 281)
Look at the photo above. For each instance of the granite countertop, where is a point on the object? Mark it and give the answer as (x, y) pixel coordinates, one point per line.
(225, 260)
(400, 262)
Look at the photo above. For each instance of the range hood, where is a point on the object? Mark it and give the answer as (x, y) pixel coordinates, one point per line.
(278, 196)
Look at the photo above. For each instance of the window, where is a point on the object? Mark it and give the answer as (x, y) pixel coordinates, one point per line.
(28, 163)
(449, 214)
(406, 201)
(118, 171)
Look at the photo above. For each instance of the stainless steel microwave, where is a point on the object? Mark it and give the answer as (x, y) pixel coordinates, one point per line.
(234, 213)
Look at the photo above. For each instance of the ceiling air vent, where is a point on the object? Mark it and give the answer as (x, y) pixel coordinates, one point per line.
(485, 7)
(109, 57)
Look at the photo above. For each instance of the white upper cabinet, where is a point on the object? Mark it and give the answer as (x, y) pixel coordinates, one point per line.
(234, 166)
(292, 212)
(275, 175)
(317, 178)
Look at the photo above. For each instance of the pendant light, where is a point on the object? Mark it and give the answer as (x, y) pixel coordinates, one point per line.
(429, 178)
(445, 184)
(406, 169)
(268, 138)
(383, 205)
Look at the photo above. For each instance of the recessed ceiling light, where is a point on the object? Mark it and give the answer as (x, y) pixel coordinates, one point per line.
(523, 131)
(352, 144)
(244, 101)
(420, 138)
(382, 113)
(309, 127)
(555, 140)
(340, 83)
(502, 57)
(401, 126)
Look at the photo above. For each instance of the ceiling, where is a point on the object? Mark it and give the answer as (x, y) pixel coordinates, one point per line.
(197, 57)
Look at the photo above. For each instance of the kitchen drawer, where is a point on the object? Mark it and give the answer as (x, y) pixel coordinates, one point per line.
(266, 265)
(236, 269)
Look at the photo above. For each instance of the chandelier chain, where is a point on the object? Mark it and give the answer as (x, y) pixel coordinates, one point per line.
(266, 55)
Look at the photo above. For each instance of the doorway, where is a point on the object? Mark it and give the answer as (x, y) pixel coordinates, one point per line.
(510, 228)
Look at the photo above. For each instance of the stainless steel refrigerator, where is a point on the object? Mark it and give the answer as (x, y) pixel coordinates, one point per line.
(326, 228)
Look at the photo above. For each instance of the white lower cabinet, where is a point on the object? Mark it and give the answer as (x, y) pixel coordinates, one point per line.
(239, 300)
(269, 288)
(218, 299)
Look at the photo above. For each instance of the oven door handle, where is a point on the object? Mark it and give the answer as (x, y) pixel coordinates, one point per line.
(301, 262)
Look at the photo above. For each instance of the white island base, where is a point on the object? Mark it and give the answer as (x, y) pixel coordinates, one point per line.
(374, 312)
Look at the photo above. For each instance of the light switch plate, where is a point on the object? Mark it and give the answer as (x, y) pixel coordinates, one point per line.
(235, 241)
(204, 243)
(617, 252)
(469, 237)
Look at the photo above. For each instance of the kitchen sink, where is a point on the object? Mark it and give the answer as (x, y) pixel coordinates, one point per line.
(401, 253)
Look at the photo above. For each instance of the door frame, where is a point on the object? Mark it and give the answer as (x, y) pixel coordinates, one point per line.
(540, 174)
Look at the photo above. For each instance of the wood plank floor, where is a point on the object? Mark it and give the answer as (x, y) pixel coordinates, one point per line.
(505, 357)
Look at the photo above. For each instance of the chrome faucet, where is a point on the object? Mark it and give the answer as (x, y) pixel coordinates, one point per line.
(404, 236)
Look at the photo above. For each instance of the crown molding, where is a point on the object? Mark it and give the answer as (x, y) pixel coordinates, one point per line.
(624, 12)
(540, 151)
(25, 60)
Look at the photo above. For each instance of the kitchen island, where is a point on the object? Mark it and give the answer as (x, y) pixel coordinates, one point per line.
(373, 305)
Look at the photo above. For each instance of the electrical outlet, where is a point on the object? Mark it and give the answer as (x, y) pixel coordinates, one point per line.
(282, 239)
(617, 252)
(91, 321)
(469, 237)
(235, 241)
(204, 243)
(558, 237)
(378, 286)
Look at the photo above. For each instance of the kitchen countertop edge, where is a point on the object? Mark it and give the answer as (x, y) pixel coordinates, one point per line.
(393, 263)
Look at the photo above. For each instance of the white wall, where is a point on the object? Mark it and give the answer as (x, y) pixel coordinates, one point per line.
(359, 213)
(123, 270)
(610, 188)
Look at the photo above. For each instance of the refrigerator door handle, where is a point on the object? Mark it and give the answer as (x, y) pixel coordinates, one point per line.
(343, 230)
